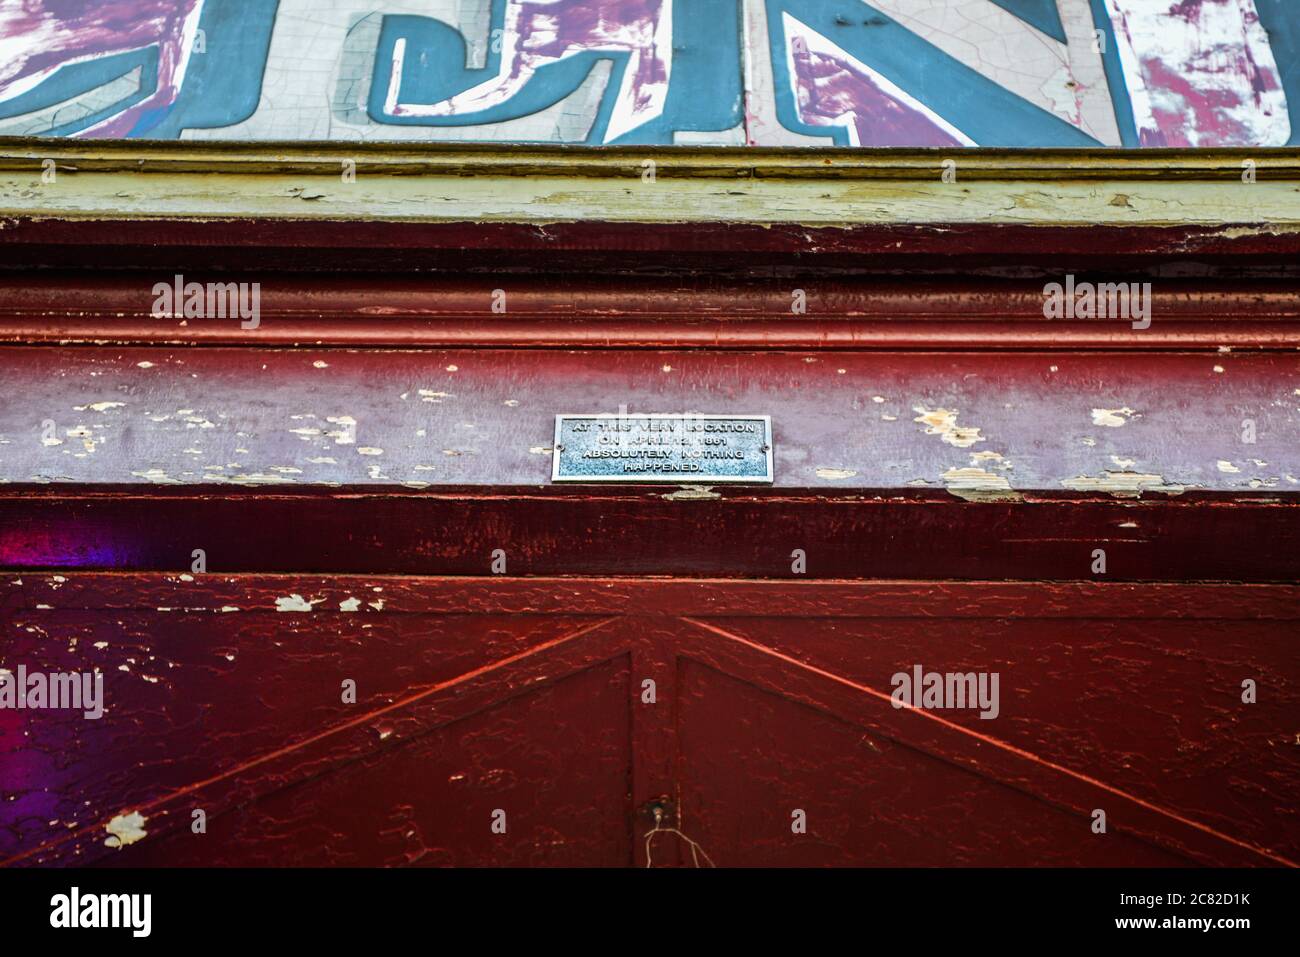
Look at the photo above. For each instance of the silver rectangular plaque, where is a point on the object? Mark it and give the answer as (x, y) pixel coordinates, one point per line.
(662, 447)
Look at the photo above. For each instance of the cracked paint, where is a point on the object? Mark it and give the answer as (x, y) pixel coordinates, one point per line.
(1123, 484)
(943, 423)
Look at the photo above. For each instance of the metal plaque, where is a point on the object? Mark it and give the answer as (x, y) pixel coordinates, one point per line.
(662, 447)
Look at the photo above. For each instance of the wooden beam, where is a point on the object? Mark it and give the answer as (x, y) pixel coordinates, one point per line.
(60, 179)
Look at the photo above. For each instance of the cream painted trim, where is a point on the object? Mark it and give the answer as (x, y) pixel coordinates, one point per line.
(823, 187)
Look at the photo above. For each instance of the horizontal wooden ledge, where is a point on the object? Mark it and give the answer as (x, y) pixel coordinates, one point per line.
(828, 598)
(749, 536)
(181, 180)
(850, 335)
(709, 162)
(592, 246)
(403, 312)
(69, 494)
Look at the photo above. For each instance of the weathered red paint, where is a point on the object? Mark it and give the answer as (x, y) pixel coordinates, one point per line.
(744, 533)
(588, 246)
(525, 692)
(527, 696)
(673, 311)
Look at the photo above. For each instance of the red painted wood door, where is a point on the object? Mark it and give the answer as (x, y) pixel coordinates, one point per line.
(527, 703)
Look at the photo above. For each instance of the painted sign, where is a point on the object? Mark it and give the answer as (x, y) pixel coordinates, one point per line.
(660, 447)
(942, 73)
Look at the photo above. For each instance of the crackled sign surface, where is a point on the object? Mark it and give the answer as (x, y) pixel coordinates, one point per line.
(662, 448)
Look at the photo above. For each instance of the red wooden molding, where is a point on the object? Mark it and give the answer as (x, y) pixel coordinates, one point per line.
(690, 311)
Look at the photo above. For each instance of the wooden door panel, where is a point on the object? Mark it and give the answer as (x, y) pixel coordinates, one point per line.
(555, 760)
(1152, 708)
(750, 758)
(194, 696)
(530, 695)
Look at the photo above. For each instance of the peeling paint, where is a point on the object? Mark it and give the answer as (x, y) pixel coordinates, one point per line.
(1122, 484)
(125, 829)
(943, 423)
(1113, 418)
(157, 476)
(347, 434)
(254, 478)
(995, 458)
(691, 493)
(835, 474)
(976, 483)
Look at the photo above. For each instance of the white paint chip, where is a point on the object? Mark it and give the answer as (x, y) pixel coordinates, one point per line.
(943, 423)
(125, 829)
(295, 602)
(1123, 484)
(1113, 418)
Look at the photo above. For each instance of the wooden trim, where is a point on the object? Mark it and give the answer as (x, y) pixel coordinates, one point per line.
(407, 312)
(739, 534)
(706, 162)
(213, 593)
(541, 185)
